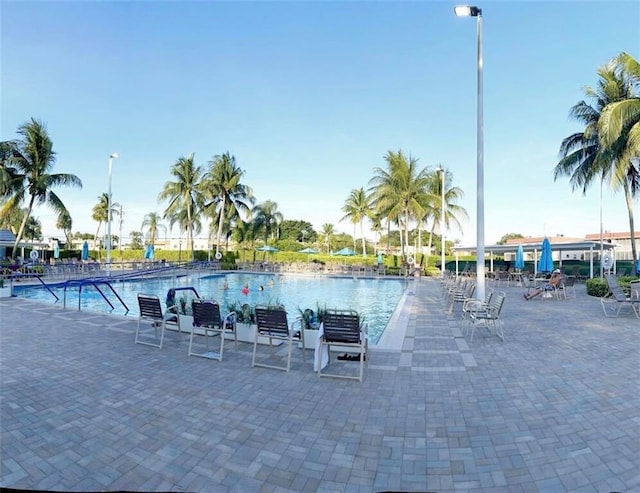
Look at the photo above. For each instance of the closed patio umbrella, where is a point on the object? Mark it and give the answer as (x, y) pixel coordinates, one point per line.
(520, 258)
(85, 251)
(545, 264)
(56, 250)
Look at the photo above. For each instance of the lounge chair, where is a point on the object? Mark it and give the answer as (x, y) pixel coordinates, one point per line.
(612, 306)
(151, 311)
(207, 322)
(271, 322)
(342, 328)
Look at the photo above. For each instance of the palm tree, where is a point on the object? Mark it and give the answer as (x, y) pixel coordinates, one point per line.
(65, 223)
(224, 193)
(586, 156)
(28, 162)
(152, 224)
(267, 218)
(184, 196)
(99, 214)
(619, 130)
(453, 211)
(399, 192)
(326, 232)
(357, 208)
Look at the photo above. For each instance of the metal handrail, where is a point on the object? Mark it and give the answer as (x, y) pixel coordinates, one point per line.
(31, 276)
(95, 283)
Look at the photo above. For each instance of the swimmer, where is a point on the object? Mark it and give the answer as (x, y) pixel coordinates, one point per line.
(261, 288)
(225, 285)
(271, 283)
(245, 289)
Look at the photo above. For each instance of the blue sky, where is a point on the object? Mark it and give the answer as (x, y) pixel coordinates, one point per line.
(309, 97)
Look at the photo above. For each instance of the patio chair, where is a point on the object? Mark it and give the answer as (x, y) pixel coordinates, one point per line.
(474, 305)
(568, 283)
(461, 296)
(151, 311)
(488, 317)
(207, 322)
(271, 322)
(618, 299)
(343, 328)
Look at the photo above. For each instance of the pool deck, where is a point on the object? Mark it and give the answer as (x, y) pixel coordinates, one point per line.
(555, 407)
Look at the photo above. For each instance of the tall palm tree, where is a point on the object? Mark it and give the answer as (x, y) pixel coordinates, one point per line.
(184, 196)
(225, 195)
(586, 156)
(357, 208)
(453, 211)
(326, 232)
(267, 218)
(619, 130)
(152, 224)
(31, 159)
(399, 192)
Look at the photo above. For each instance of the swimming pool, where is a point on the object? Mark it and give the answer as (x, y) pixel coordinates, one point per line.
(374, 299)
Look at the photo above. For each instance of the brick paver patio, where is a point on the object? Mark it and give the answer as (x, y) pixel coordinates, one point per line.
(555, 407)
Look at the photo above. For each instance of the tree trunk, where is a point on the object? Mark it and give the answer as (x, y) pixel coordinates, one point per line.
(220, 221)
(22, 226)
(629, 199)
(364, 247)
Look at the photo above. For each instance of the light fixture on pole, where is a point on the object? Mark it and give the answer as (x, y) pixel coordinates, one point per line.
(480, 286)
(443, 211)
(109, 202)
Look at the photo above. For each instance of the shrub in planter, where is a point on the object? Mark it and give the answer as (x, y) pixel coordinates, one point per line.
(597, 287)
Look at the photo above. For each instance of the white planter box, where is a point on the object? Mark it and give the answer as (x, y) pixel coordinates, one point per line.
(5, 292)
(245, 332)
(310, 339)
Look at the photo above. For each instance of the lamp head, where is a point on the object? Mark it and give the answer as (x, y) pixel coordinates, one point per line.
(467, 11)
(114, 155)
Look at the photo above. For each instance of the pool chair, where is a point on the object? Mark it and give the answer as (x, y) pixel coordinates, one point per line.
(612, 306)
(272, 323)
(207, 322)
(151, 311)
(342, 328)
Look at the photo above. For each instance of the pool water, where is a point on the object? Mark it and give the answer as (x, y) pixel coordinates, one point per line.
(374, 299)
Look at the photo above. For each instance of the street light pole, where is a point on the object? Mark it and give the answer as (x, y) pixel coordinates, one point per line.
(111, 158)
(443, 211)
(480, 280)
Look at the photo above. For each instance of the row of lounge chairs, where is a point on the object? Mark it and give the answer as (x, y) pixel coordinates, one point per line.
(339, 328)
(473, 313)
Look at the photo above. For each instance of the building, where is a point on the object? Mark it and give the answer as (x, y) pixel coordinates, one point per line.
(621, 240)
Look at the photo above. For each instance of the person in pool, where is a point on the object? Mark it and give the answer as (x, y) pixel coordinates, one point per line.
(245, 289)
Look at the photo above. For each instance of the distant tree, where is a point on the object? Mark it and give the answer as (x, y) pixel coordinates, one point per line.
(297, 230)
(65, 223)
(326, 235)
(185, 197)
(152, 225)
(267, 219)
(357, 208)
(509, 236)
(225, 196)
(33, 229)
(135, 240)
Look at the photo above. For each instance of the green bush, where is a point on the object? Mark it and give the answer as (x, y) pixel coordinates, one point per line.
(597, 287)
